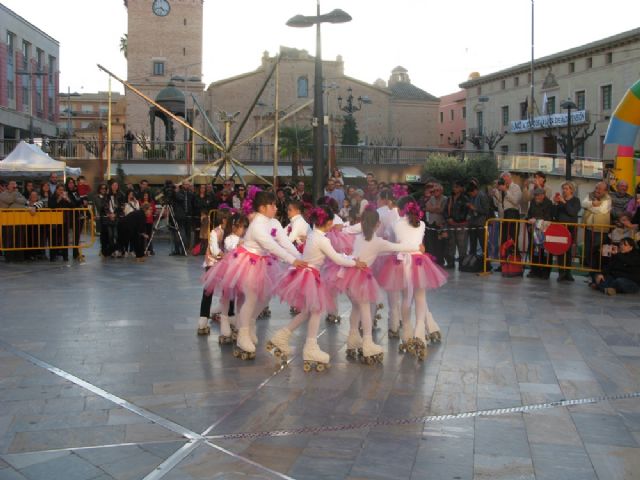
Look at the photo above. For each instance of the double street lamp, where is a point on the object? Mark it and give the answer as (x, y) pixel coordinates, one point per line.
(301, 21)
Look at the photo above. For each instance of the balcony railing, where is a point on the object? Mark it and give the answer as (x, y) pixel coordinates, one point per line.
(80, 150)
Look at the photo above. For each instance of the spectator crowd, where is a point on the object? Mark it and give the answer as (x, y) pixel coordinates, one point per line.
(126, 217)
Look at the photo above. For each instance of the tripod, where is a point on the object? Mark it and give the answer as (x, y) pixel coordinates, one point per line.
(171, 224)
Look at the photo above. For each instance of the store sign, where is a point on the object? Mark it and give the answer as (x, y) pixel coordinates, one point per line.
(412, 178)
(549, 121)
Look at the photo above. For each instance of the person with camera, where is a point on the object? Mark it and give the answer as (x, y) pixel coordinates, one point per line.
(539, 181)
(183, 211)
(622, 273)
(597, 217)
(566, 208)
(507, 197)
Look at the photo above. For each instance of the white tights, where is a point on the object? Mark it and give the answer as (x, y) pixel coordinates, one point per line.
(393, 299)
(361, 313)
(420, 300)
(313, 326)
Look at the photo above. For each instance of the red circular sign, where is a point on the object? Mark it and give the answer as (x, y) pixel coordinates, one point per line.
(557, 239)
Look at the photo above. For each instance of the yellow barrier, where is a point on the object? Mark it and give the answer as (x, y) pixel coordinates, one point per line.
(58, 228)
(584, 254)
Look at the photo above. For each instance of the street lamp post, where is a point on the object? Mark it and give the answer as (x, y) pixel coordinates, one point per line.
(335, 16)
(568, 105)
(350, 108)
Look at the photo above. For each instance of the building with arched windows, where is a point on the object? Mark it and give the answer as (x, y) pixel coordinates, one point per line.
(392, 113)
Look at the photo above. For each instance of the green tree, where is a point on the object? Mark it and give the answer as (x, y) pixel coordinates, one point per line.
(350, 134)
(295, 143)
(124, 42)
(447, 169)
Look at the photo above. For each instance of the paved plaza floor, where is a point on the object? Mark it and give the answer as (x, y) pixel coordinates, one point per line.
(102, 377)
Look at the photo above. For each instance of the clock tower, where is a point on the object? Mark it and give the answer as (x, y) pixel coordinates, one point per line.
(164, 44)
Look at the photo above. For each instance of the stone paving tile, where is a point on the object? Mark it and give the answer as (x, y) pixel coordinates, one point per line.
(562, 462)
(552, 344)
(69, 467)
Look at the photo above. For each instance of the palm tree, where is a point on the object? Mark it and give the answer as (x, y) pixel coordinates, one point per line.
(295, 142)
(124, 40)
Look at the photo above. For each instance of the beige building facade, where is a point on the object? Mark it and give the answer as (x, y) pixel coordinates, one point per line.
(82, 114)
(594, 76)
(164, 45)
(391, 113)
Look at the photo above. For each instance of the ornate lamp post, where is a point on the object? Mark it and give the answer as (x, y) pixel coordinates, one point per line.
(568, 105)
(335, 16)
(350, 108)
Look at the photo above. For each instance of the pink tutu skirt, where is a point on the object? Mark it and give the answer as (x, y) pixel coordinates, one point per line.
(423, 273)
(303, 289)
(360, 285)
(241, 271)
(341, 242)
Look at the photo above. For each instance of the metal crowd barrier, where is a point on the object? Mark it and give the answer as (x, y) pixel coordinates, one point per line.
(518, 242)
(52, 228)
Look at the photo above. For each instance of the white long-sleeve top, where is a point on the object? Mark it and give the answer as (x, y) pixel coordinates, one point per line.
(318, 248)
(388, 218)
(603, 208)
(213, 249)
(298, 229)
(231, 242)
(282, 239)
(368, 250)
(354, 229)
(258, 239)
(337, 220)
(405, 233)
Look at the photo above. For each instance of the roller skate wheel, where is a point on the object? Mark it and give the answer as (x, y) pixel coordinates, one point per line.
(369, 360)
(204, 331)
(270, 346)
(378, 316)
(320, 367)
(236, 352)
(244, 356)
(360, 352)
(306, 366)
(277, 353)
(351, 353)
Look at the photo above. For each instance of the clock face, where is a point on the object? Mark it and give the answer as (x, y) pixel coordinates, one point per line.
(161, 7)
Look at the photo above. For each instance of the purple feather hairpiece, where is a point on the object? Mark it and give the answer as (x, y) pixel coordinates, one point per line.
(412, 207)
(399, 190)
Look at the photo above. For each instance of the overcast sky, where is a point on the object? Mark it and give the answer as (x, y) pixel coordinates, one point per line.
(439, 42)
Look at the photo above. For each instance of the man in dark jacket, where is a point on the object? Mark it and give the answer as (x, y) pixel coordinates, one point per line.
(456, 214)
(540, 208)
(479, 208)
(183, 210)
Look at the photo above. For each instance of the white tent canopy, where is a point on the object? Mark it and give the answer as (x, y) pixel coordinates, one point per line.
(29, 159)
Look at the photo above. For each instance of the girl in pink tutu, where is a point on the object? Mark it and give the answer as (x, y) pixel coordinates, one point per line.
(415, 273)
(305, 290)
(233, 233)
(252, 271)
(362, 288)
(389, 216)
(211, 257)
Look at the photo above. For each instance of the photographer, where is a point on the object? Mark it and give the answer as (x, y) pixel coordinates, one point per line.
(183, 211)
(622, 274)
(507, 199)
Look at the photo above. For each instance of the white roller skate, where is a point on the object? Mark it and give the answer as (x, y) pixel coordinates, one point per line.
(371, 352)
(279, 344)
(434, 329)
(226, 334)
(314, 357)
(203, 326)
(354, 344)
(419, 342)
(244, 349)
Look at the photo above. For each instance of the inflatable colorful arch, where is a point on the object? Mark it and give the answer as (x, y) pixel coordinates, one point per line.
(623, 131)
